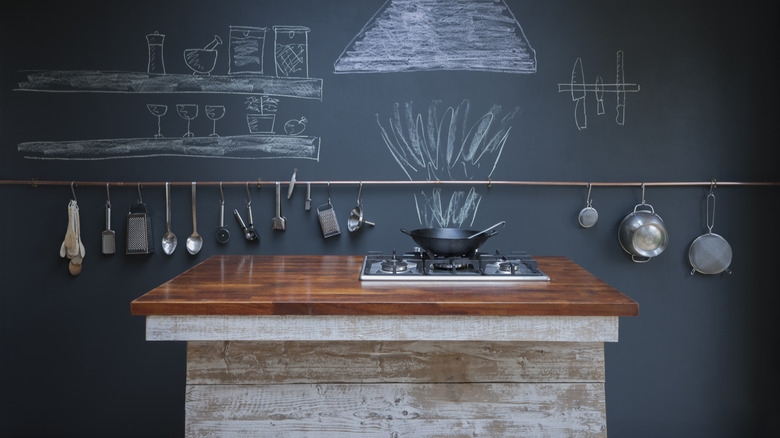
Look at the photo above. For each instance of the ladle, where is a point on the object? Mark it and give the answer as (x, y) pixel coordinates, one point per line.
(169, 239)
(487, 229)
(194, 242)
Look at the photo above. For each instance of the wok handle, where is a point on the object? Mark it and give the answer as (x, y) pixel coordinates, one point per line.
(405, 232)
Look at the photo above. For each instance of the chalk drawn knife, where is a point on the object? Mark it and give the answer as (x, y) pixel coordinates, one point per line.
(578, 95)
(621, 90)
(599, 95)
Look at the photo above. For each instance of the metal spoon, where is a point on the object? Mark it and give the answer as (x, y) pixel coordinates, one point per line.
(169, 239)
(194, 242)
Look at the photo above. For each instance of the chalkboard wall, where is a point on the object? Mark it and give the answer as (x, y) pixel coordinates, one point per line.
(688, 94)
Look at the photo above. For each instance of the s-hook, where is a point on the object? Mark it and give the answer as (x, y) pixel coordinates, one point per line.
(72, 191)
(140, 199)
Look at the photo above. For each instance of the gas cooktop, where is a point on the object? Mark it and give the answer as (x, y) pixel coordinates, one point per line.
(418, 265)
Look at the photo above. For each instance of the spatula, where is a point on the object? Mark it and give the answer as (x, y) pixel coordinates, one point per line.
(108, 236)
(279, 222)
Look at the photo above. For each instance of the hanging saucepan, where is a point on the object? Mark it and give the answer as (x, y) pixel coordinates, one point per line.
(452, 242)
(710, 253)
(643, 233)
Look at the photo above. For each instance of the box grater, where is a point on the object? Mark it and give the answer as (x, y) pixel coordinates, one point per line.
(139, 230)
(328, 221)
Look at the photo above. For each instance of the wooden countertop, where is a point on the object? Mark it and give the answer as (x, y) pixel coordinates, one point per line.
(329, 285)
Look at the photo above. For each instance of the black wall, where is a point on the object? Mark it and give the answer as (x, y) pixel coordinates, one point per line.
(696, 362)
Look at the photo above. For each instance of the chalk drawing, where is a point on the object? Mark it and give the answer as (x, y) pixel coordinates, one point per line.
(188, 112)
(446, 145)
(245, 77)
(428, 35)
(579, 88)
(159, 111)
(214, 113)
(202, 61)
(295, 127)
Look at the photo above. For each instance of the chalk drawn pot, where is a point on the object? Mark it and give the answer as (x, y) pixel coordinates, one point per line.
(291, 51)
(156, 64)
(261, 123)
(247, 45)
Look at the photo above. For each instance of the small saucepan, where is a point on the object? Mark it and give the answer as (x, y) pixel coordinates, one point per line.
(452, 242)
(643, 233)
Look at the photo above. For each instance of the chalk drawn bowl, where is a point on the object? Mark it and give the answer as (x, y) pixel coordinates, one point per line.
(200, 61)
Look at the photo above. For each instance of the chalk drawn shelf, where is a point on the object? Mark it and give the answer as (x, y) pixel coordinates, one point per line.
(237, 147)
(96, 81)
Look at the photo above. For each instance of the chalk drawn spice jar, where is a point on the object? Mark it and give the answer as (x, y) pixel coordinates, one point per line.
(291, 51)
(247, 45)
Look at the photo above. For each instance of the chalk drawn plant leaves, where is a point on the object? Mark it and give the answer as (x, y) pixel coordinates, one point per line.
(444, 146)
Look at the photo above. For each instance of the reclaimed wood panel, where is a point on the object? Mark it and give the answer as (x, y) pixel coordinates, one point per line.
(246, 362)
(397, 410)
(381, 328)
(329, 285)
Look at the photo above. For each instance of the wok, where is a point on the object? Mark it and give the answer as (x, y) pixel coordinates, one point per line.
(451, 242)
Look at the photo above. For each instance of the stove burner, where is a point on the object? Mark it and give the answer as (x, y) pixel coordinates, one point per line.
(421, 265)
(448, 266)
(394, 265)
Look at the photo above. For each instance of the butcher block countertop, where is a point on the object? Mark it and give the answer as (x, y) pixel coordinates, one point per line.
(329, 285)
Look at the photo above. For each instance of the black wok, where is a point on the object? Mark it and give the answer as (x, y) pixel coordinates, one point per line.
(451, 242)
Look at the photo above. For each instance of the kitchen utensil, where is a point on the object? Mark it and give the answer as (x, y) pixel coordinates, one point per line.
(642, 233)
(279, 222)
(223, 235)
(710, 253)
(194, 241)
(307, 202)
(140, 239)
(588, 216)
(449, 242)
(169, 239)
(502, 223)
(291, 187)
(327, 217)
(249, 230)
(108, 237)
(356, 219)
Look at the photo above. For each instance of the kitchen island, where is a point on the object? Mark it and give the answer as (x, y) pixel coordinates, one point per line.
(298, 345)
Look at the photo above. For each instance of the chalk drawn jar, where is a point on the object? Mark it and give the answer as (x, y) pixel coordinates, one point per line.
(156, 64)
(291, 51)
(247, 45)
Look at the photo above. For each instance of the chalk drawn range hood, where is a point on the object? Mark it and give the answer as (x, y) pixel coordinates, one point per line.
(428, 35)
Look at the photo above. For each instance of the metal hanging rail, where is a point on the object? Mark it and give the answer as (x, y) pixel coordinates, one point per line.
(488, 183)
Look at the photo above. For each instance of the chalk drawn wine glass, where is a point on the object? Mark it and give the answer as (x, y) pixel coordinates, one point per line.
(159, 111)
(214, 113)
(187, 111)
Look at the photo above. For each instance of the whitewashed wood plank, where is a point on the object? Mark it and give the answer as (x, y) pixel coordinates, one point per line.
(397, 410)
(381, 328)
(265, 362)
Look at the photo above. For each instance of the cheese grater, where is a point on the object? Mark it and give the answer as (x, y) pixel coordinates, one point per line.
(328, 221)
(139, 230)
(327, 217)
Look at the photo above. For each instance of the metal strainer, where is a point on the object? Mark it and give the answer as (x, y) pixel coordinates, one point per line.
(710, 253)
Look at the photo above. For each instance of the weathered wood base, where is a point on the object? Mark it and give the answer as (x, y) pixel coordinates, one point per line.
(395, 389)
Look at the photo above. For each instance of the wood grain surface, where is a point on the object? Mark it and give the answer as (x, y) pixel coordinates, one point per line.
(329, 285)
(260, 362)
(397, 410)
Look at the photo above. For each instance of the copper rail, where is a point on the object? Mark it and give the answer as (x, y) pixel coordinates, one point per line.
(489, 183)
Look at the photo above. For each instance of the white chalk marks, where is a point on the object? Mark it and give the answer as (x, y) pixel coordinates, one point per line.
(445, 144)
(428, 35)
(579, 88)
(202, 72)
